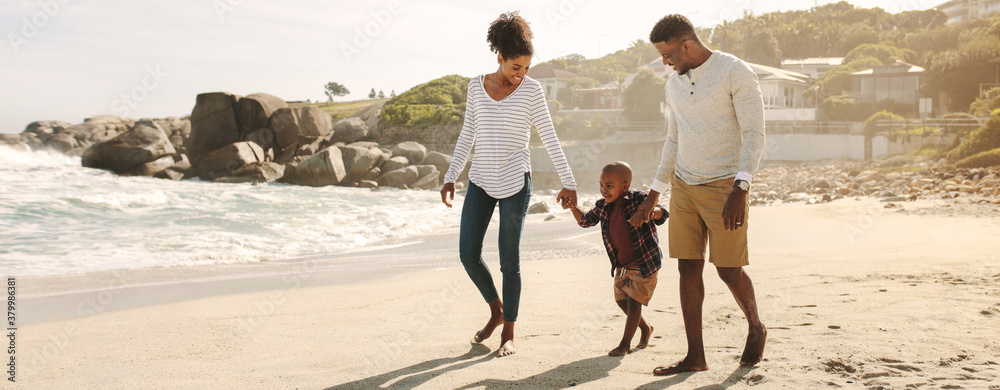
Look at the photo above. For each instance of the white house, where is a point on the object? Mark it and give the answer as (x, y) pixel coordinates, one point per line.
(552, 79)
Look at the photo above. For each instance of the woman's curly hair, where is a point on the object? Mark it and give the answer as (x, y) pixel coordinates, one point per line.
(510, 36)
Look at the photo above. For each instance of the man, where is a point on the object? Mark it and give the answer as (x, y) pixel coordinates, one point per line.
(715, 137)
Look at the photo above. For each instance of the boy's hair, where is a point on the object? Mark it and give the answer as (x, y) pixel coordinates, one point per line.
(671, 27)
(620, 168)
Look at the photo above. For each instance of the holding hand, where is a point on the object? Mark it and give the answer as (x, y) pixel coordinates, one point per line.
(645, 211)
(449, 188)
(566, 198)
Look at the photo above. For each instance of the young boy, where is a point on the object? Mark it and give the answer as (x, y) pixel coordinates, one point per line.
(634, 251)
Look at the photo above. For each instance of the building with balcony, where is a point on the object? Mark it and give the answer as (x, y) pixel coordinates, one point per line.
(961, 11)
(899, 84)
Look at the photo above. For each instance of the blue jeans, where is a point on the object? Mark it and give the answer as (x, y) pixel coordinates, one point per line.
(476, 214)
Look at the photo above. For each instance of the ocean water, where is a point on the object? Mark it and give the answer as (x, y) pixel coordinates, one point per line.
(57, 217)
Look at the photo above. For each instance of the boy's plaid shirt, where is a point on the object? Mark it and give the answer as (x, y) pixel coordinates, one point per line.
(645, 243)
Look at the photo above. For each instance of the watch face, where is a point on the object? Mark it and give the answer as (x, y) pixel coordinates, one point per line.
(743, 185)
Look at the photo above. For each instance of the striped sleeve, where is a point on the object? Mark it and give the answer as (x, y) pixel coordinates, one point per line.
(466, 138)
(540, 118)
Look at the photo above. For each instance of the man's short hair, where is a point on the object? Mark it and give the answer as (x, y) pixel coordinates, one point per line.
(671, 27)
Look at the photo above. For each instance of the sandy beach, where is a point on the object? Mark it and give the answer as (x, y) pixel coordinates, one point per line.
(855, 295)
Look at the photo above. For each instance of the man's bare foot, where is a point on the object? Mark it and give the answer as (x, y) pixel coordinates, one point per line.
(620, 351)
(754, 350)
(487, 330)
(686, 365)
(644, 338)
(507, 348)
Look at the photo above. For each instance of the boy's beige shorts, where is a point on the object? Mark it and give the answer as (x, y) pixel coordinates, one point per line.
(631, 283)
(696, 223)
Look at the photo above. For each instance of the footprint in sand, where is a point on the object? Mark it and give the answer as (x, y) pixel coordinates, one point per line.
(833, 326)
(801, 306)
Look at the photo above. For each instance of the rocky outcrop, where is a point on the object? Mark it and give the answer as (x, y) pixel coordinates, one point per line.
(228, 160)
(324, 168)
(293, 123)
(350, 130)
(254, 110)
(213, 124)
(411, 150)
(127, 153)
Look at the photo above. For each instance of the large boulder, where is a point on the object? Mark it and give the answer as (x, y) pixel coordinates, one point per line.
(228, 159)
(411, 150)
(145, 142)
(264, 137)
(400, 178)
(322, 169)
(291, 122)
(153, 167)
(256, 173)
(62, 142)
(45, 127)
(426, 182)
(213, 124)
(254, 110)
(440, 160)
(358, 161)
(349, 130)
(395, 163)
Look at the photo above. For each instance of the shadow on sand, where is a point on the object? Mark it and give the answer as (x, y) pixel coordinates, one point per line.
(418, 374)
(562, 377)
(734, 378)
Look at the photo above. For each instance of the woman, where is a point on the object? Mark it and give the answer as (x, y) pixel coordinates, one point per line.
(501, 108)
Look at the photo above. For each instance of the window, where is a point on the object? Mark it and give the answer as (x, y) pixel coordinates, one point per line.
(867, 85)
(896, 84)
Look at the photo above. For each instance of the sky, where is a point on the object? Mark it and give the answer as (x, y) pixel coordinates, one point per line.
(72, 59)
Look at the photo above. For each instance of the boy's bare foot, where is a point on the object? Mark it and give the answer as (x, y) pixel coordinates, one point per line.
(487, 330)
(754, 350)
(644, 338)
(507, 348)
(620, 351)
(686, 365)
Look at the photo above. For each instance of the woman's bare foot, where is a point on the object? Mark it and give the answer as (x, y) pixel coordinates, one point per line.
(644, 338)
(487, 330)
(686, 365)
(620, 351)
(507, 348)
(754, 350)
(496, 318)
(506, 339)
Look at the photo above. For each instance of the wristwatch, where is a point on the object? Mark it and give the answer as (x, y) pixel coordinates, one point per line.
(742, 184)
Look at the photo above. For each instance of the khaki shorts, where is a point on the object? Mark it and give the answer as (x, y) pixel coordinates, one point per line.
(631, 283)
(696, 220)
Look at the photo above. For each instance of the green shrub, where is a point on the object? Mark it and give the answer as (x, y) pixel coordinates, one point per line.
(421, 115)
(985, 138)
(988, 158)
(872, 125)
(987, 101)
(436, 102)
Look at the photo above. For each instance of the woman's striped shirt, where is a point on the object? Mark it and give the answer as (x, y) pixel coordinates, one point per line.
(500, 130)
